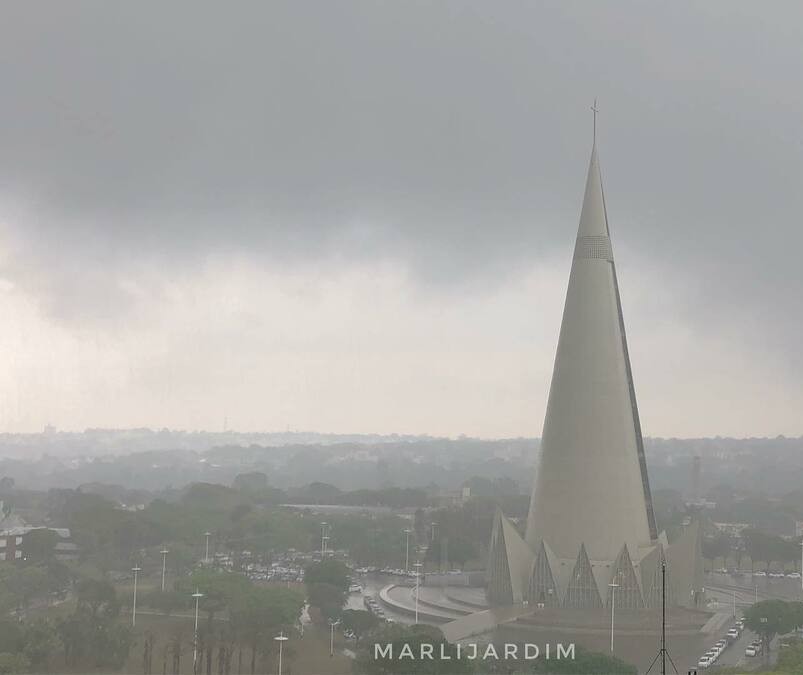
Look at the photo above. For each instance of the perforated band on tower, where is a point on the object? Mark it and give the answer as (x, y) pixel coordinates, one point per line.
(594, 247)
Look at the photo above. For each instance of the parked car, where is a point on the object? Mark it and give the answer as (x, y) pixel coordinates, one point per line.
(704, 662)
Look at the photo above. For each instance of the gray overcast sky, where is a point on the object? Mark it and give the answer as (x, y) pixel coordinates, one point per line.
(359, 216)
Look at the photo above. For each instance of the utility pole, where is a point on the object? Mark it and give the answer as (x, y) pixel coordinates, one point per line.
(197, 597)
(136, 571)
(207, 535)
(613, 586)
(332, 625)
(417, 566)
(164, 553)
(281, 638)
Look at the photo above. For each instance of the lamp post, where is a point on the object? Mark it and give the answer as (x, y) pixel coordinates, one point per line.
(433, 526)
(734, 604)
(756, 600)
(613, 586)
(323, 548)
(323, 538)
(197, 597)
(136, 571)
(407, 550)
(281, 638)
(207, 535)
(164, 553)
(417, 566)
(801, 565)
(332, 625)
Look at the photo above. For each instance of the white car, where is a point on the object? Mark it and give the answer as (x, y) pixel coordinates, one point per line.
(751, 651)
(793, 575)
(759, 574)
(704, 662)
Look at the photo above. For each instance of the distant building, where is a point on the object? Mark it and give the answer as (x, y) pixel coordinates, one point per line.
(733, 529)
(12, 543)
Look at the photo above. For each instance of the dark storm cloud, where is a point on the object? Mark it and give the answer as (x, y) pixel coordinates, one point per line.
(452, 137)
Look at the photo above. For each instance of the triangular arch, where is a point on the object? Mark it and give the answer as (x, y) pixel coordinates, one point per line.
(628, 592)
(542, 589)
(500, 588)
(582, 591)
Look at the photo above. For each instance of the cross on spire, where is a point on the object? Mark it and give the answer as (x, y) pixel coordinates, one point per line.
(595, 111)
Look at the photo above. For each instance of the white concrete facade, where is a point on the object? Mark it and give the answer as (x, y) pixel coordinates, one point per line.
(591, 518)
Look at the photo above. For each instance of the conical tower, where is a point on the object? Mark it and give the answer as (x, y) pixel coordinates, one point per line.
(592, 486)
(591, 520)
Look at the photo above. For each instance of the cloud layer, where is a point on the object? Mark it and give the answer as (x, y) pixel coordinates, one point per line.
(357, 216)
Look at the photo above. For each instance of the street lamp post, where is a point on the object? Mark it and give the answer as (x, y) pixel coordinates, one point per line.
(136, 571)
(801, 565)
(197, 597)
(734, 604)
(417, 566)
(207, 535)
(323, 548)
(407, 550)
(433, 525)
(164, 553)
(332, 625)
(613, 586)
(281, 638)
(323, 539)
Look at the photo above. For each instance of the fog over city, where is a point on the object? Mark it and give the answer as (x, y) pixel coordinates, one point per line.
(358, 217)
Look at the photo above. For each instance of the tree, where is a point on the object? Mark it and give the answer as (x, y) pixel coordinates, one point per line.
(254, 481)
(790, 660)
(769, 618)
(94, 641)
(359, 621)
(258, 615)
(327, 598)
(98, 598)
(12, 636)
(716, 547)
(40, 642)
(12, 664)
(763, 546)
(220, 589)
(166, 602)
(40, 545)
(461, 550)
(28, 584)
(328, 571)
